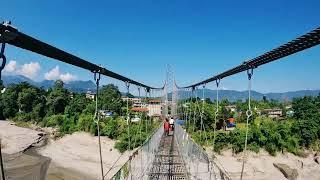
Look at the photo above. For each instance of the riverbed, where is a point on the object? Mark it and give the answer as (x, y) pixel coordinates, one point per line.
(72, 157)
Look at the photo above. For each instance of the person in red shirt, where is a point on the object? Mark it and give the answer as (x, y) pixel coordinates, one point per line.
(166, 127)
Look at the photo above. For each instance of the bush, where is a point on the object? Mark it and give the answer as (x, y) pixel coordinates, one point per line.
(110, 128)
(137, 136)
(292, 144)
(254, 147)
(68, 127)
(23, 117)
(85, 122)
(54, 120)
(271, 148)
(237, 139)
(222, 141)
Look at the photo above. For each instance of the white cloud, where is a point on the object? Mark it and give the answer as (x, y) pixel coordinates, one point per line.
(10, 67)
(29, 70)
(67, 77)
(55, 74)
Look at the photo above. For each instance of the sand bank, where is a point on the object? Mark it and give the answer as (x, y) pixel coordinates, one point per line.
(260, 166)
(17, 139)
(72, 157)
(79, 153)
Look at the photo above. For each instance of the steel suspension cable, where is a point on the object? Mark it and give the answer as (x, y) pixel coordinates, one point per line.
(11, 35)
(249, 114)
(189, 112)
(195, 108)
(216, 113)
(301, 43)
(149, 117)
(128, 115)
(3, 58)
(1, 162)
(185, 105)
(139, 128)
(146, 101)
(202, 114)
(96, 119)
(2, 65)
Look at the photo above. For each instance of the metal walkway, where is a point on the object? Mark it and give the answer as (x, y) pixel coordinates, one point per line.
(168, 163)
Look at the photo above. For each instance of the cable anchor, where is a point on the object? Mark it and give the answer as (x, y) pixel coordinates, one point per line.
(218, 82)
(3, 58)
(250, 73)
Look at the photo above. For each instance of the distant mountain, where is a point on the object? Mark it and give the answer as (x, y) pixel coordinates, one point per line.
(75, 86)
(80, 86)
(233, 95)
(16, 80)
(46, 84)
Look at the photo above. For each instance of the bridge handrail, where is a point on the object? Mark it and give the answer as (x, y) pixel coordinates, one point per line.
(223, 173)
(126, 166)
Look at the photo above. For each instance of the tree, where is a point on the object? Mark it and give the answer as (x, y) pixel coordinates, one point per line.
(1, 85)
(9, 99)
(26, 99)
(58, 99)
(77, 104)
(208, 101)
(264, 98)
(110, 98)
(58, 84)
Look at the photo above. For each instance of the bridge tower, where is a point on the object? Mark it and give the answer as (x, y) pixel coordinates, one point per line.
(170, 94)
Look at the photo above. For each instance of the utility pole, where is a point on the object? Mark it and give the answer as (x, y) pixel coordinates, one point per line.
(1, 163)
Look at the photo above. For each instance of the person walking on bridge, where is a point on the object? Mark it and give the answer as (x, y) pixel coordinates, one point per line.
(166, 127)
(171, 122)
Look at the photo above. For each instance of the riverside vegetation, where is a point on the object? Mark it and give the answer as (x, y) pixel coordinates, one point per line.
(70, 112)
(292, 134)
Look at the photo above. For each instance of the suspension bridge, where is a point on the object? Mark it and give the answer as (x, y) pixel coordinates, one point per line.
(175, 156)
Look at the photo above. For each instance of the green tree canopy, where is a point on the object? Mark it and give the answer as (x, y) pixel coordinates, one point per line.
(58, 99)
(110, 98)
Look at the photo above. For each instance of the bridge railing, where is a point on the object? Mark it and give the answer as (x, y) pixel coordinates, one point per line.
(141, 160)
(197, 162)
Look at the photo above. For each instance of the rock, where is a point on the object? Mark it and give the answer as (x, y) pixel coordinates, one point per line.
(317, 159)
(288, 172)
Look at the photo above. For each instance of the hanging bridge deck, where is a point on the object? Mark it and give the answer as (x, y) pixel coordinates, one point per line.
(168, 164)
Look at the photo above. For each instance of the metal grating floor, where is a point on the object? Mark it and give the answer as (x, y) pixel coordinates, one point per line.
(168, 163)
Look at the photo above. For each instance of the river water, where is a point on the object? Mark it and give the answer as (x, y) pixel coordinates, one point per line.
(29, 165)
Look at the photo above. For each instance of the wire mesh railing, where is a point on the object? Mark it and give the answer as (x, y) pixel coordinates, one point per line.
(140, 162)
(197, 161)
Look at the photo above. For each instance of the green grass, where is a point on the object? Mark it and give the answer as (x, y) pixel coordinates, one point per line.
(22, 124)
(241, 126)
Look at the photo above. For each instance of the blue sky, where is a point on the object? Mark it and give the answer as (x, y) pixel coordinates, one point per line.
(197, 38)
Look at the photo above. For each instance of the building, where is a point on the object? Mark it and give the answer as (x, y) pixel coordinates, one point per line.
(90, 95)
(137, 110)
(273, 113)
(155, 107)
(152, 108)
(105, 113)
(136, 102)
(231, 108)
